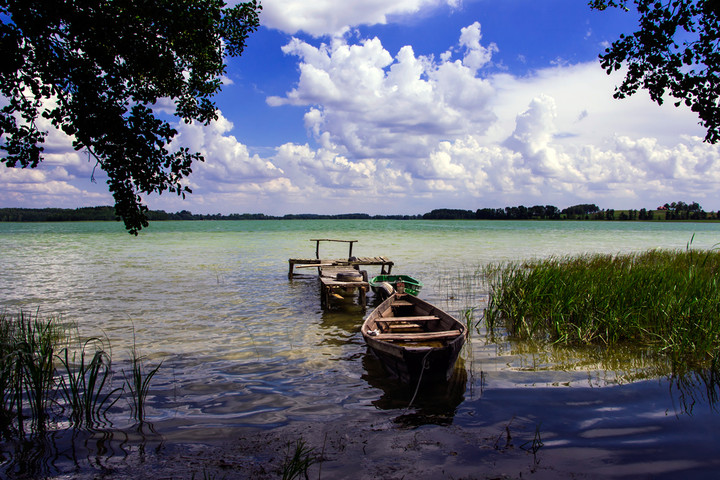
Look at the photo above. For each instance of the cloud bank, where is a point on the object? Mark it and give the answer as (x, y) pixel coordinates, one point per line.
(396, 132)
(330, 17)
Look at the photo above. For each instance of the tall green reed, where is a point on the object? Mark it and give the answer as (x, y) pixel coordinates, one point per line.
(138, 382)
(87, 372)
(35, 341)
(669, 299)
(43, 375)
(10, 398)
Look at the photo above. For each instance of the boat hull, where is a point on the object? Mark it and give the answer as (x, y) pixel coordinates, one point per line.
(412, 286)
(417, 364)
(428, 352)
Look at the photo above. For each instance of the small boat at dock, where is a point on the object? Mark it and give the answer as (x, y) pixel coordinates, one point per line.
(379, 284)
(414, 339)
(339, 278)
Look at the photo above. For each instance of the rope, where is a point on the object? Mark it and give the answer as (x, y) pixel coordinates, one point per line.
(425, 366)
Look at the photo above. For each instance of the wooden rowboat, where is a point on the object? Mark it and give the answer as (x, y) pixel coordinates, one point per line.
(378, 284)
(413, 339)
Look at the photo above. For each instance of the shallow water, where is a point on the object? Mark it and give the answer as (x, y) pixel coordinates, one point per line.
(244, 349)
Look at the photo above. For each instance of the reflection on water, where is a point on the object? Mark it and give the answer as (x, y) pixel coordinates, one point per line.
(341, 324)
(696, 387)
(619, 364)
(49, 454)
(427, 403)
(244, 349)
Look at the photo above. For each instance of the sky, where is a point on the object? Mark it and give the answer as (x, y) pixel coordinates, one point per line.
(404, 106)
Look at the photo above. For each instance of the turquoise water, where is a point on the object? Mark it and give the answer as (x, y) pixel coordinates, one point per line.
(244, 348)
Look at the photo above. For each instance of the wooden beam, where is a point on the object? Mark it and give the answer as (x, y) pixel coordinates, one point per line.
(418, 337)
(318, 240)
(401, 303)
(423, 318)
(331, 240)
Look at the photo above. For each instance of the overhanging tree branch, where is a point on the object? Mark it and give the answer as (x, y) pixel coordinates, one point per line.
(104, 64)
(674, 53)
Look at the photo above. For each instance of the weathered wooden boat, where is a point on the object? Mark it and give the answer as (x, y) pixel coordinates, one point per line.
(379, 284)
(414, 339)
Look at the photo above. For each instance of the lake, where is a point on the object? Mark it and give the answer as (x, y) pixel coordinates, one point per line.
(252, 362)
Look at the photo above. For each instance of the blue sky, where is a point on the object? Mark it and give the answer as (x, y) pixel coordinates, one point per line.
(401, 107)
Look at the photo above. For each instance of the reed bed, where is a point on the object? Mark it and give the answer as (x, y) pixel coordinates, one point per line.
(666, 299)
(47, 379)
(84, 383)
(27, 375)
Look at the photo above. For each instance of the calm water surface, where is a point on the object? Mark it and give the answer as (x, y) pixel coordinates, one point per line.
(245, 349)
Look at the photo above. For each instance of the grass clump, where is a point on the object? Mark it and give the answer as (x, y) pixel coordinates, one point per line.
(46, 377)
(138, 383)
(297, 464)
(27, 374)
(83, 383)
(669, 299)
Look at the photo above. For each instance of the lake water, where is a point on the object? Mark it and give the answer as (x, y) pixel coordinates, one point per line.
(248, 354)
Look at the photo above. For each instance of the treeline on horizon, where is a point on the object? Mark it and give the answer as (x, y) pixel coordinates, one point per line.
(107, 213)
(669, 211)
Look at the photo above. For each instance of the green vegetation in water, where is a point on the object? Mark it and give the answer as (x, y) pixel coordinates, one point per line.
(139, 384)
(297, 464)
(83, 383)
(666, 299)
(27, 374)
(45, 377)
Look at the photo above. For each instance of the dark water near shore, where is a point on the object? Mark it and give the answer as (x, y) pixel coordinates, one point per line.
(248, 354)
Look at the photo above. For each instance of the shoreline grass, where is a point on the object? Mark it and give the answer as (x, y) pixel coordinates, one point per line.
(83, 384)
(48, 379)
(27, 374)
(669, 300)
(138, 384)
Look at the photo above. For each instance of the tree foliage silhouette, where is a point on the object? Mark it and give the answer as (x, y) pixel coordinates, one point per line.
(675, 52)
(97, 70)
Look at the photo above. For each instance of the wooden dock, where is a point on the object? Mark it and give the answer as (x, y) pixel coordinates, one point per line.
(340, 277)
(355, 262)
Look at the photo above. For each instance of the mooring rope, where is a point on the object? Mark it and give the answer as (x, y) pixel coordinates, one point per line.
(425, 366)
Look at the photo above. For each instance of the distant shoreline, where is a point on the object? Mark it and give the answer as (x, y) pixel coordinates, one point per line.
(107, 213)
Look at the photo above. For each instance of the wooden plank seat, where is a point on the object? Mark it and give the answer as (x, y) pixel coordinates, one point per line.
(427, 318)
(418, 337)
(405, 327)
(401, 303)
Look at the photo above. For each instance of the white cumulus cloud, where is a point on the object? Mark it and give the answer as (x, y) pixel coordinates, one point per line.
(396, 132)
(371, 104)
(332, 17)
